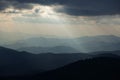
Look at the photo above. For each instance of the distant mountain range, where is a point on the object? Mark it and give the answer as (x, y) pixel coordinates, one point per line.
(57, 49)
(13, 62)
(58, 45)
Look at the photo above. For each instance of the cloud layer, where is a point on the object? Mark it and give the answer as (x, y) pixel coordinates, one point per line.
(72, 18)
(71, 7)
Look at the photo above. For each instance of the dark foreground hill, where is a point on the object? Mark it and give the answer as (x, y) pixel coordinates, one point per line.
(100, 68)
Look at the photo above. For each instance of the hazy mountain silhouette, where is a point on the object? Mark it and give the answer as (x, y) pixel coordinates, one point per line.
(117, 52)
(19, 63)
(100, 43)
(57, 49)
(82, 44)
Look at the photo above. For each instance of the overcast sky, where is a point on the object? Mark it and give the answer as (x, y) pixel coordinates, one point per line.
(61, 18)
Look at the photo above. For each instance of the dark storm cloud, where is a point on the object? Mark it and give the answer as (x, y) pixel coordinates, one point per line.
(15, 4)
(3, 4)
(91, 7)
(72, 7)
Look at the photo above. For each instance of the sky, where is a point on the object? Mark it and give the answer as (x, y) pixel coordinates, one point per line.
(58, 18)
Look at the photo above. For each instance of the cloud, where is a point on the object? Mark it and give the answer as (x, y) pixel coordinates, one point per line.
(91, 7)
(5, 4)
(71, 7)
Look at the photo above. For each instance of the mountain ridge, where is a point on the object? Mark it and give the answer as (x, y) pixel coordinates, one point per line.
(21, 62)
(84, 44)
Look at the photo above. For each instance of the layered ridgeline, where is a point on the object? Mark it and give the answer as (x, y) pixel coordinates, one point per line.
(14, 62)
(100, 68)
(67, 45)
(104, 66)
